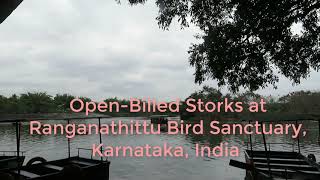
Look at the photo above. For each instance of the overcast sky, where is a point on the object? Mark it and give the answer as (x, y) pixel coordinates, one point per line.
(100, 49)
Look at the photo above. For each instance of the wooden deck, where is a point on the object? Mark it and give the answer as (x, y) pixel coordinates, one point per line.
(282, 165)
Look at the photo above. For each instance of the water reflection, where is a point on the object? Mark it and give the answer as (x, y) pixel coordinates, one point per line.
(55, 147)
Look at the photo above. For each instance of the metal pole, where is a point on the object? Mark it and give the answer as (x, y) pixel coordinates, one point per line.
(100, 137)
(18, 144)
(319, 132)
(286, 171)
(266, 149)
(250, 137)
(319, 127)
(298, 138)
(69, 151)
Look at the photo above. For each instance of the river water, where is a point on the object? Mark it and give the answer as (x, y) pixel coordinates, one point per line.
(131, 168)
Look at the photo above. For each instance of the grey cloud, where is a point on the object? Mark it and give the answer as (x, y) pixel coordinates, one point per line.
(98, 49)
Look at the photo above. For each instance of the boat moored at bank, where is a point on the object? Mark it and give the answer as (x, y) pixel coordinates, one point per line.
(38, 168)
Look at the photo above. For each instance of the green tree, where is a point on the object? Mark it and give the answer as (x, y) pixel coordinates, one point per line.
(248, 97)
(62, 102)
(3, 104)
(38, 102)
(14, 105)
(248, 43)
(207, 94)
(301, 102)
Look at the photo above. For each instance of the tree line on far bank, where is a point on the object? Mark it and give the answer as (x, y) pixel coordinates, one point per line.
(42, 102)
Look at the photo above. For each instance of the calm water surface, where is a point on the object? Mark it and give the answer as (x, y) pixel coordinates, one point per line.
(194, 168)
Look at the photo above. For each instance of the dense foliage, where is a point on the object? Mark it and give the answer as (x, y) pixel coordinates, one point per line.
(303, 102)
(41, 102)
(248, 43)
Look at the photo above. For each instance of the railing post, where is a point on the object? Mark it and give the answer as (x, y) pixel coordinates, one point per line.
(286, 172)
(298, 138)
(69, 149)
(100, 137)
(18, 143)
(250, 137)
(266, 149)
(319, 131)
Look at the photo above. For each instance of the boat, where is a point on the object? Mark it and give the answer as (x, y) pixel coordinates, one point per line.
(159, 119)
(270, 164)
(9, 159)
(38, 168)
(163, 120)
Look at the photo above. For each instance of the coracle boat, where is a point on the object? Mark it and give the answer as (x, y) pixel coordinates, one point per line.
(38, 168)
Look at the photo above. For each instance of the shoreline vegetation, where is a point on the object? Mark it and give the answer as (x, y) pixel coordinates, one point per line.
(42, 102)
